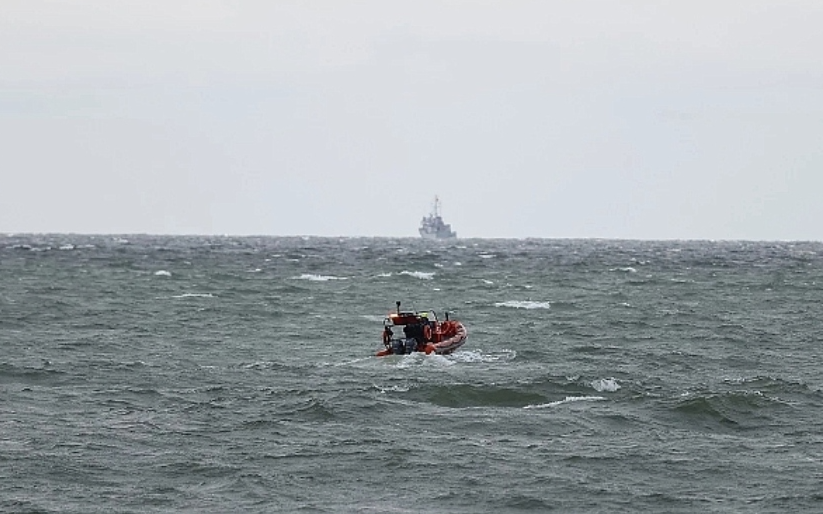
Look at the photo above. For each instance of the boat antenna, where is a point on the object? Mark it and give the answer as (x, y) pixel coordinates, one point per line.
(398, 308)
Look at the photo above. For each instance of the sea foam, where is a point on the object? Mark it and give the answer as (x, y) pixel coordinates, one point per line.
(609, 385)
(194, 295)
(419, 274)
(318, 278)
(568, 399)
(524, 304)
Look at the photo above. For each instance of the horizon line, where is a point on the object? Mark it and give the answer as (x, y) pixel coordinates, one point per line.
(315, 236)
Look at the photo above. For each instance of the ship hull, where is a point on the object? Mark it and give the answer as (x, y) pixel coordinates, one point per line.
(437, 235)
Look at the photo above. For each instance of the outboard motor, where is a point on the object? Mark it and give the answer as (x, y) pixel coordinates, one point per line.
(398, 346)
(410, 345)
(403, 346)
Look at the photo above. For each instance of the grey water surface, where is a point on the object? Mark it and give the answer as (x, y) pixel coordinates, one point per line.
(236, 374)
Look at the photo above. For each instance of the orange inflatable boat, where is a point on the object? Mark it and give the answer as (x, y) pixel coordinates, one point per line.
(409, 332)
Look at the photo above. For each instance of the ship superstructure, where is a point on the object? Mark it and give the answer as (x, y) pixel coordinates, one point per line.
(433, 226)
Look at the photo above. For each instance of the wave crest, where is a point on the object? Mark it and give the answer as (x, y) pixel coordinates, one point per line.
(568, 399)
(419, 274)
(523, 304)
(317, 278)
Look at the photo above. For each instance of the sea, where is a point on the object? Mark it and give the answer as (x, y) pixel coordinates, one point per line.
(149, 374)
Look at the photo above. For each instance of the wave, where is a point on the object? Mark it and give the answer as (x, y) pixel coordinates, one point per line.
(568, 399)
(466, 395)
(461, 356)
(392, 389)
(773, 385)
(421, 359)
(11, 374)
(609, 385)
(541, 394)
(419, 274)
(318, 278)
(284, 289)
(735, 409)
(262, 365)
(501, 355)
(524, 304)
(627, 269)
(310, 409)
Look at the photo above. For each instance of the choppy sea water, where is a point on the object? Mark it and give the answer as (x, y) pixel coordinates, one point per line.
(195, 374)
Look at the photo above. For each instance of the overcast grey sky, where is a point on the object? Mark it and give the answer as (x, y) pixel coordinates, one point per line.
(614, 119)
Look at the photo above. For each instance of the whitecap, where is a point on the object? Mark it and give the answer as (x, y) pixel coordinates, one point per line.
(416, 359)
(162, 273)
(67, 247)
(392, 389)
(518, 304)
(627, 269)
(480, 356)
(317, 278)
(194, 295)
(419, 274)
(487, 282)
(406, 361)
(260, 365)
(568, 399)
(605, 384)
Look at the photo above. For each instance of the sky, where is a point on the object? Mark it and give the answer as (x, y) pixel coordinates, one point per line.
(621, 119)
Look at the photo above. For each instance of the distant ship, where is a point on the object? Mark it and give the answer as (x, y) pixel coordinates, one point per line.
(433, 227)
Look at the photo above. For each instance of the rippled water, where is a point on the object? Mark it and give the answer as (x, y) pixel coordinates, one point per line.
(191, 374)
